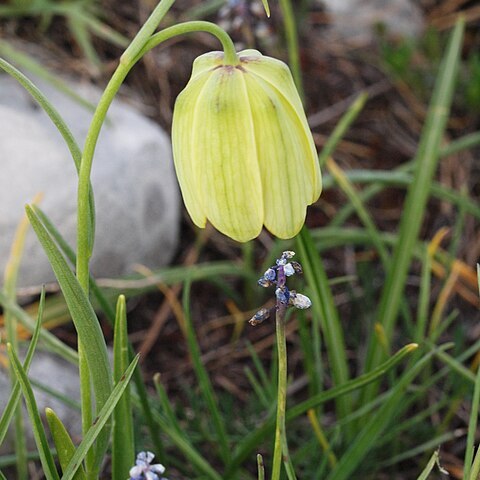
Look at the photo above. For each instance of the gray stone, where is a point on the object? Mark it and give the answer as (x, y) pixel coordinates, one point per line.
(136, 193)
(357, 18)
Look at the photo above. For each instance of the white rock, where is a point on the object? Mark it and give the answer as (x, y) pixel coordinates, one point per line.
(357, 18)
(136, 193)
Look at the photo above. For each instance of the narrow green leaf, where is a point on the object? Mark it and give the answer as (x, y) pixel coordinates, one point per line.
(49, 340)
(425, 164)
(2, 476)
(183, 444)
(79, 31)
(105, 305)
(27, 62)
(246, 446)
(204, 379)
(9, 409)
(325, 314)
(123, 447)
(266, 6)
(84, 319)
(261, 467)
(341, 128)
(429, 467)
(475, 471)
(10, 322)
(166, 406)
(46, 457)
(355, 199)
(63, 443)
(291, 35)
(100, 422)
(472, 424)
(376, 425)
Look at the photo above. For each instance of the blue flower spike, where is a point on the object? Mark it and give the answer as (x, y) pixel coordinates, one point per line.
(144, 470)
(277, 275)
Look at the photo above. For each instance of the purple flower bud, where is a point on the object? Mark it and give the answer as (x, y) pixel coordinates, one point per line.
(260, 317)
(263, 282)
(283, 295)
(270, 274)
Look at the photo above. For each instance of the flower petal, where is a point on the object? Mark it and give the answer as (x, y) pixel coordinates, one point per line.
(207, 61)
(225, 156)
(182, 144)
(285, 159)
(277, 74)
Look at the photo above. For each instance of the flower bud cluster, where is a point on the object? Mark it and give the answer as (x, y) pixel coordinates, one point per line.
(277, 275)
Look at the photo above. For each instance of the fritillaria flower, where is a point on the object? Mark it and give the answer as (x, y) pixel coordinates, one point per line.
(243, 151)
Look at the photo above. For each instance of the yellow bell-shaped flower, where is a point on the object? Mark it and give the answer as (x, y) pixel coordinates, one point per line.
(243, 151)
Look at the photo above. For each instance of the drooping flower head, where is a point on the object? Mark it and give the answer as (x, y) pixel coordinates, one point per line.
(243, 152)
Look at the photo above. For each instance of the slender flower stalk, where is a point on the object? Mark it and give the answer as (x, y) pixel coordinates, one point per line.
(277, 275)
(85, 216)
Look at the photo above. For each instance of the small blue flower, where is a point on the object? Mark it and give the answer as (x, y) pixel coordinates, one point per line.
(260, 317)
(289, 269)
(283, 295)
(144, 470)
(270, 274)
(299, 300)
(277, 275)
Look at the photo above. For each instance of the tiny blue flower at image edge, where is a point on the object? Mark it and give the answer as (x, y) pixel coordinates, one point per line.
(144, 470)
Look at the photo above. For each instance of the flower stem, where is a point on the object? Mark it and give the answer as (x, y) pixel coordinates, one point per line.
(127, 61)
(231, 57)
(280, 435)
(84, 240)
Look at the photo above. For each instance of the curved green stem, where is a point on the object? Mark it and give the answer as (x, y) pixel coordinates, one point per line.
(127, 61)
(231, 57)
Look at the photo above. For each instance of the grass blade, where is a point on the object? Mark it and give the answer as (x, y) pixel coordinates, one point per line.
(429, 467)
(10, 322)
(475, 470)
(86, 322)
(123, 447)
(49, 340)
(203, 378)
(341, 128)
(63, 443)
(368, 435)
(425, 163)
(9, 409)
(325, 315)
(245, 448)
(46, 457)
(105, 305)
(100, 422)
(472, 424)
